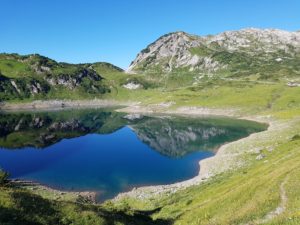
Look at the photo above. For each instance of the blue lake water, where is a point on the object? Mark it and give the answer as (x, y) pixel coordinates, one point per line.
(109, 152)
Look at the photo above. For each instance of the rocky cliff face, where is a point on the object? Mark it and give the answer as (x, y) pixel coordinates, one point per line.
(11, 88)
(169, 51)
(180, 51)
(73, 80)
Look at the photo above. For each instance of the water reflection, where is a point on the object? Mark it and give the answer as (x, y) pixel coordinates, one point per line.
(110, 152)
(170, 136)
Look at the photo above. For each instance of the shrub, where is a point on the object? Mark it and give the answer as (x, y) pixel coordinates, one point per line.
(296, 137)
(3, 177)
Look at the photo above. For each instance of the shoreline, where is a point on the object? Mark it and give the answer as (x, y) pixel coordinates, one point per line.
(83, 196)
(209, 167)
(62, 104)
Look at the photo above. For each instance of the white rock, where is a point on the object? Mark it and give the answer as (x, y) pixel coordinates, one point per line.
(132, 86)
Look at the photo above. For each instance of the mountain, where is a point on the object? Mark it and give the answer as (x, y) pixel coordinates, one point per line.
(38, 76)
(233, 53)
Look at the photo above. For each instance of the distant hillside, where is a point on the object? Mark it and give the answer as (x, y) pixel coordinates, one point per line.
(34, 76)
(265, 53)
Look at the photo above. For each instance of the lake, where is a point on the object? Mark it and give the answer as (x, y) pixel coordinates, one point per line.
(109, 152)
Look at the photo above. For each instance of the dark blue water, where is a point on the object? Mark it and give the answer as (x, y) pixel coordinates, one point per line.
(73, 154)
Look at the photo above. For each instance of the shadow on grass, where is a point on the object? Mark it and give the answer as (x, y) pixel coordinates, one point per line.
(31, 209)
(128, 218)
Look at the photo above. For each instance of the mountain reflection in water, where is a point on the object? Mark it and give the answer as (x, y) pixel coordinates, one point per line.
(109, 151)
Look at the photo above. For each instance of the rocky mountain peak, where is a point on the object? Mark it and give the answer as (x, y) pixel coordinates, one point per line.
(170, 46)
(257, 39)
(211, 53)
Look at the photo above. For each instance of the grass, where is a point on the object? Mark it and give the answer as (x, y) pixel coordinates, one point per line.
(13, 69)
(255, 97)
(18, 206)
(240, 197)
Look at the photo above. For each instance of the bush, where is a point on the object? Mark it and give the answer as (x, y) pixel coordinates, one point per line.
(296, 137)
(3, 177)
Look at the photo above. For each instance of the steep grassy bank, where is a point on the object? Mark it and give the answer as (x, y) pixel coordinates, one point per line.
(19, 206)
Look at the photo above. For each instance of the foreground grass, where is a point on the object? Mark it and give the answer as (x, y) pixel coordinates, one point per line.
(19, 206)
(244, 196)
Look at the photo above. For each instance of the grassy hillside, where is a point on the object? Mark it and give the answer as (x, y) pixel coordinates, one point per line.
(33, 77)
(37, 77)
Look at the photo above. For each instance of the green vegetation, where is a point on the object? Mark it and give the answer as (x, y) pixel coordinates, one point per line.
(18, 206)
(3, 177)
(37, 77)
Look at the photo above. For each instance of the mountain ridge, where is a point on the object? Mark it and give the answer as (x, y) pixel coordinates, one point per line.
(178, 50)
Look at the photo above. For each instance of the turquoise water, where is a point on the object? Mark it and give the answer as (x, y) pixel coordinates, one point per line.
(110, 152)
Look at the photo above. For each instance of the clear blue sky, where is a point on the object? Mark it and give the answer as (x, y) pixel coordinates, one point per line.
(116, 30)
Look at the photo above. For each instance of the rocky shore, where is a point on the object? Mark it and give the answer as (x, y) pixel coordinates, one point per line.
(50, 193)
(60, 104)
